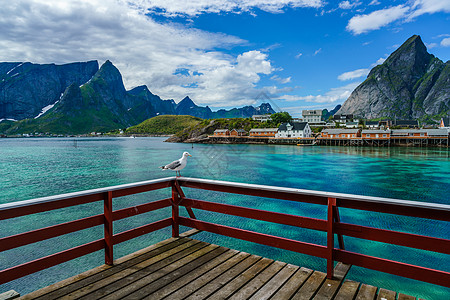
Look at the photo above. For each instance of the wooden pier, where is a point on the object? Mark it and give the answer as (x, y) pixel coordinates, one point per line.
(184, 268)
(181, 267)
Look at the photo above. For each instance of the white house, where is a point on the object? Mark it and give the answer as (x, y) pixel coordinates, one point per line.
(312, 116)
(294, 130)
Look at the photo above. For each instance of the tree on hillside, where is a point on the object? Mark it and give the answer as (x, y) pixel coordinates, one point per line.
(281, 117)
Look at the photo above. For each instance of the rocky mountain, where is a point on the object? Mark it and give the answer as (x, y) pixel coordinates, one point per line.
(410, 84)
(188, 107)
(26, 88)
(94, 102)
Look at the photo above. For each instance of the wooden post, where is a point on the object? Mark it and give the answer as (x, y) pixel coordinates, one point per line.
(108, 228)
(330, 237)
(175, 212)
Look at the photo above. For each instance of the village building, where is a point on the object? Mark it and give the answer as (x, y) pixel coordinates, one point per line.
(313, 116)
(344, 118)
(238, 132)
(409, 133)
(340, 133)
(261, 118)
(372, 124)
(376, 134)
(351, 125)
(294, 130)
(221, 132)
(263, 132)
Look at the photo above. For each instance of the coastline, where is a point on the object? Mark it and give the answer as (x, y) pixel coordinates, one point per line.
(382, 142)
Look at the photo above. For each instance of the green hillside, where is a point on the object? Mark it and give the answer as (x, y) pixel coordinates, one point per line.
(165, 124)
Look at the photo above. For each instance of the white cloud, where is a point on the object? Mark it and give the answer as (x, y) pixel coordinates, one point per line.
(44, 31)
(281, 80)
(317, 51)
(353, 74)
(374, 2)
(376, 19)
(348, 4)
(298, 55)
(431, 45)
(333, 95)
(193, 8)
(421, 7)
(445, 42)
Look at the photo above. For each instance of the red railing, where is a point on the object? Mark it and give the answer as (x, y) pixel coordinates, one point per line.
(332, 225)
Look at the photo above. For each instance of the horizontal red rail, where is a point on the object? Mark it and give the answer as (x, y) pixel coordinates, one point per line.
(140, 209)
(394, 237)
(38, 235)
(257, 214)
(259, 238)
(49, 261)
(138, 231)
(376, 204)
(15, 212)
(394, 267)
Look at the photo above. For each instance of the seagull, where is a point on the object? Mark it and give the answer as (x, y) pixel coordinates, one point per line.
(177, 165)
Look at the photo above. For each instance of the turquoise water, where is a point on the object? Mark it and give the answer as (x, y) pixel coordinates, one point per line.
(34, 168)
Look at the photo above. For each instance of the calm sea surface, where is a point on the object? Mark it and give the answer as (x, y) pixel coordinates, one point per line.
(32, 168)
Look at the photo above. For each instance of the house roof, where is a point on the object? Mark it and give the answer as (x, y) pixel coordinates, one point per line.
(437, 132)
(263, 129)
(221, 130)
(339, 131)
(239, 130)
(376, 131)
(295, 126)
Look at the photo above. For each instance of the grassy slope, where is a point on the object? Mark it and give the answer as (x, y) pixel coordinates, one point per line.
(165, 124)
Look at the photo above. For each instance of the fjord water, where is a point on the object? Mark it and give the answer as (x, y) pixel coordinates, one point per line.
(38, 167)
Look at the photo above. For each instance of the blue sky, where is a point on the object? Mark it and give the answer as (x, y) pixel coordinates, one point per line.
(302, 54)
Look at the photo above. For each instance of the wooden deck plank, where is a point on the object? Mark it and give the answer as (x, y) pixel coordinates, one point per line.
(348, 290)
(70, 284)
(271, 286)
(183, 268)
(405, 297)
(209, 276)
(135, 280)
(366, 292)
(292, 285)
(194, 274)
(157, 261)
(174, 271)
(257, 282)
(330, 287)
(240, 280)
(384, 294)
(224, 278)
(310, 287)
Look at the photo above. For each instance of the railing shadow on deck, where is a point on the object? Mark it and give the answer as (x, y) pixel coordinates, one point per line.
(332, 225)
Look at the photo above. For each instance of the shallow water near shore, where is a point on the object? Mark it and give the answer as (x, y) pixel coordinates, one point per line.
(39, 167)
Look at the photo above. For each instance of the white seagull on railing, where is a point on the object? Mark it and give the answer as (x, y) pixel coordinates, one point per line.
(177, 165)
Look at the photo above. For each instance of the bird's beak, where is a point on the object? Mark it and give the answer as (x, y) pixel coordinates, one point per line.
(189, 155)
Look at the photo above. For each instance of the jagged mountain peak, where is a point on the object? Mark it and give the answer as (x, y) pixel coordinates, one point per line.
(410, 84)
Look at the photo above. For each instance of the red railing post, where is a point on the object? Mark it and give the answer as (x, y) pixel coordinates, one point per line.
(330, 237)
(108, 228)
(175, 212)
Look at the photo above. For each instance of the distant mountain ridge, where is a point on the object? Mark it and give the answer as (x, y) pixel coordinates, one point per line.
(95, 100)
(410, 84)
